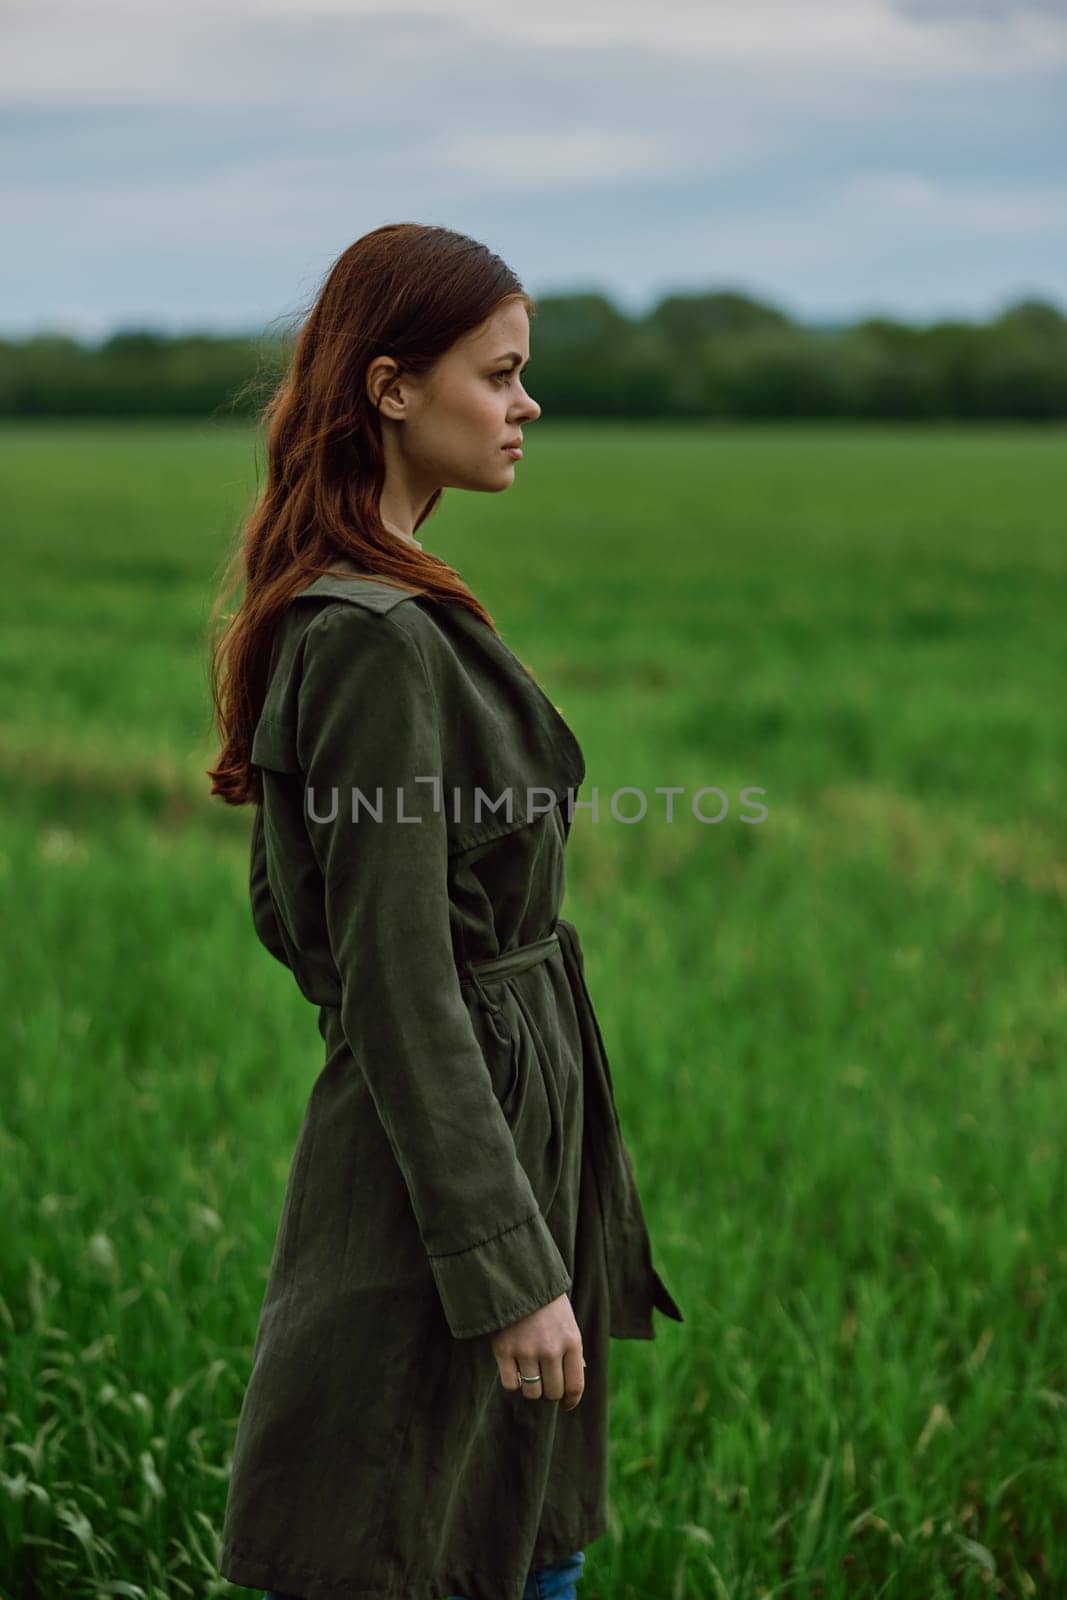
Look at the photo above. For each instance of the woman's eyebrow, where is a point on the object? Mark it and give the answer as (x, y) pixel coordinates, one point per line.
(510, 355)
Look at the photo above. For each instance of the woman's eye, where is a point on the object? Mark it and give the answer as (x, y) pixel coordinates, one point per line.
(506, 373)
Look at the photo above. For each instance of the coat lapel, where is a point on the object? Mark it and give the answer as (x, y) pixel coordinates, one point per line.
(500, 731)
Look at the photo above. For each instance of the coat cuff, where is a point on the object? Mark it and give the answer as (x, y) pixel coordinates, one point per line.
(492, 1284)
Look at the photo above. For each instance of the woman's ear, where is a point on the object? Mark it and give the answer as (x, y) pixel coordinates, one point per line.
(383, 390)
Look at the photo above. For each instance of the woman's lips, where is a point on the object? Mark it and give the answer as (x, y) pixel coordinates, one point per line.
(514, 451)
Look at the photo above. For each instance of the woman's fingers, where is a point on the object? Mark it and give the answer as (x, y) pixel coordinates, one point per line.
(545, 1348)
(562, 1378)
(573, 1378)
(529, 1369)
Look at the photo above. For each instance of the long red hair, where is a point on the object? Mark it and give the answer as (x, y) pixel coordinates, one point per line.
(404, 291)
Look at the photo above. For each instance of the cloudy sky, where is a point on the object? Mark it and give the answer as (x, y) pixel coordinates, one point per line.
(202, 164)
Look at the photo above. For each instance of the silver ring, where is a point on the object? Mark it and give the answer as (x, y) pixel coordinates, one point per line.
(530, 1380)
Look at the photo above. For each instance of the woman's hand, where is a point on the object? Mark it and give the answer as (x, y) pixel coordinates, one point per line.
(547, 1342)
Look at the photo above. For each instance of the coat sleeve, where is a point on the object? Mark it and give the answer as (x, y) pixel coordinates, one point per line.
(367, 718)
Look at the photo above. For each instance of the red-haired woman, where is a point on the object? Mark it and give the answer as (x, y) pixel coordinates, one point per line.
(461, 1232)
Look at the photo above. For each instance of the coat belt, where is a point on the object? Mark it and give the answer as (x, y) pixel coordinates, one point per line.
(512, 961)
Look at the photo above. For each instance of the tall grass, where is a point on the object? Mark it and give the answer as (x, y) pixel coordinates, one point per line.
(837, 1036)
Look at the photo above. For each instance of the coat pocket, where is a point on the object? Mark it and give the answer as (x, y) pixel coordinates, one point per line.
(497, 1039)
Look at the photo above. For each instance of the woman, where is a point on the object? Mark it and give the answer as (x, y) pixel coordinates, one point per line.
(461, 1232)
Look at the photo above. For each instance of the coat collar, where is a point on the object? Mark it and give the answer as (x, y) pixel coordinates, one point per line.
(345, 581)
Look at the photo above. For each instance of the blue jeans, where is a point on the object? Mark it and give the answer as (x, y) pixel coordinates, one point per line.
(554, 1582)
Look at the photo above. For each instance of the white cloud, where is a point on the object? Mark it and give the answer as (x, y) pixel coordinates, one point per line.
(223, 154)
(228, 53)
(896, 239)
(572, 157)
(888, 198)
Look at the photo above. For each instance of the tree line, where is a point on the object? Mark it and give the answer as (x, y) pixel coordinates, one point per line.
(721, 354)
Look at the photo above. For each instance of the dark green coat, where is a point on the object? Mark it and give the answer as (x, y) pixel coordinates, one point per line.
(460, 1161)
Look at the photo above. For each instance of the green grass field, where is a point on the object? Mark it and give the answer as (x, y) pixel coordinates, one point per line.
(838, 1037)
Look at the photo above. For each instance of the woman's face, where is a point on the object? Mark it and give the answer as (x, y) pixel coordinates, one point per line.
(451, 426)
